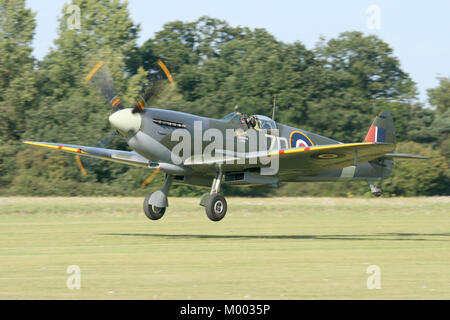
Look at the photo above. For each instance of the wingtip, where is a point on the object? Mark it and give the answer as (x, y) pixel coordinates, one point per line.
(32, 143)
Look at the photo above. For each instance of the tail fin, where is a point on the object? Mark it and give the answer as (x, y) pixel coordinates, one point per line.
(382, 129)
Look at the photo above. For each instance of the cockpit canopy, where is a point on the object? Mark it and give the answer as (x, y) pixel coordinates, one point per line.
(261, 122)
(231, 115)
(265, 122)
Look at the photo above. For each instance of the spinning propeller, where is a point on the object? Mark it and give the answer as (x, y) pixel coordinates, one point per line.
(102, 78)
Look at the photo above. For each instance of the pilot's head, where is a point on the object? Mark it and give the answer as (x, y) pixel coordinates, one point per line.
(253, 122)
(244, 119)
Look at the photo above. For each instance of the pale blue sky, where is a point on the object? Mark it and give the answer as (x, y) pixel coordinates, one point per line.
(418, 31)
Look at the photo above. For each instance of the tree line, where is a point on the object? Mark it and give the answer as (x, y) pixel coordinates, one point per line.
(334, 89)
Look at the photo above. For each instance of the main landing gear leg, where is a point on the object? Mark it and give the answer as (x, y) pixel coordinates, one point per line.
(215, 203)
(376, 190)
(155, 203)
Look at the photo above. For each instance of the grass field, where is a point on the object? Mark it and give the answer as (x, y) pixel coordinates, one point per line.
(275, 248)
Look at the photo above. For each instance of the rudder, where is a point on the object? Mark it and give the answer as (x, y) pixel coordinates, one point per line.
(382, 129)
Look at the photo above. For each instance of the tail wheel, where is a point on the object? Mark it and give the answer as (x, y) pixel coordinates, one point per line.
(153, 212)
(216, 207)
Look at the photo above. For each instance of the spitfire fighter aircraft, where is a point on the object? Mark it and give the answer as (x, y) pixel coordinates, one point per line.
(238, 150)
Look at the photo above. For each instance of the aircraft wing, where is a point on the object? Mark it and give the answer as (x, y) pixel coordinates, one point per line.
(308, 160)
(313, 160)
(124, 157)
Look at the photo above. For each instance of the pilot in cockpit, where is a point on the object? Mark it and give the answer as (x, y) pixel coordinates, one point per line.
(249, 122)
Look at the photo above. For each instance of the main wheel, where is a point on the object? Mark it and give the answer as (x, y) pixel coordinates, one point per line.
(153, 212)
(216, 207)
(378, 192)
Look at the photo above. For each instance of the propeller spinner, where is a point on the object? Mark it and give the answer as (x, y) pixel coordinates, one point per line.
(126, 121)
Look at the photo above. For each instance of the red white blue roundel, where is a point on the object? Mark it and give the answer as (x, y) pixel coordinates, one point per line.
(300, 140)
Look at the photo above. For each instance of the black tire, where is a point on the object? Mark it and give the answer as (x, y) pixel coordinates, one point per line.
(379, 192)
(153, 212)
(216, 207)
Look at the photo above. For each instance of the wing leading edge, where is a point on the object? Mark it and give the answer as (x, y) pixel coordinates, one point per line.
(309, 159)
(124, 157)
(300, 160)
(313, 160)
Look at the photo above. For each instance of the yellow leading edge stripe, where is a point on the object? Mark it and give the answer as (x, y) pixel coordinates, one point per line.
(286, 151)
(62, 148)
(67, 149)
(296, 150)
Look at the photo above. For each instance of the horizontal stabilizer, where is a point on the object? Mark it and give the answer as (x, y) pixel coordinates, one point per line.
(404, 156)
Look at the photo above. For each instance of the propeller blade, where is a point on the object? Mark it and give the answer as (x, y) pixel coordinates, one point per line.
(166, 71)
(107, 140)
(101, 77)
(93, 71)
(87, 163)
(115, 103)
(150, 179)
(80, 165)
(140, 106)
(152, 89)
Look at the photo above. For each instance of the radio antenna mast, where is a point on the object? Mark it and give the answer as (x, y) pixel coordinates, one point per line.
(274, 107)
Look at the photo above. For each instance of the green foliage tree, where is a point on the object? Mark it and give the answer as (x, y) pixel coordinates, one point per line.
(355, 76)
(335, 89)
(440, 98)
(17, 80)
(360, 77)
(370, 63)
(416, 177)
(71, 111)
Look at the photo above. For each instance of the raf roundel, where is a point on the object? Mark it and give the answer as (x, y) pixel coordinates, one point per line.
(300, 140)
